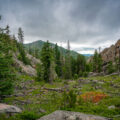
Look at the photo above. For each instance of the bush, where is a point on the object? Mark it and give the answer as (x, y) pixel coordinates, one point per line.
(80, 73)
(68, 99)
(93, 96)
(76, 76)
(85, 74)
(28, 116)
(39, 69)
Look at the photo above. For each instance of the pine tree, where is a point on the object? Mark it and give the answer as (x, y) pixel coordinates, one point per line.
(7, 29)
(110, 67)
(22, 56)
(46, 58)
(6, 77)
(58, 67)
(67, 67)
(97, 62)
(39, 69)
(20, 35)
(6, 72)
(81, 65)
(73, 66)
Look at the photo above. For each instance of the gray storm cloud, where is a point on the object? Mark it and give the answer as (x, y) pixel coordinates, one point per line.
(92, 23)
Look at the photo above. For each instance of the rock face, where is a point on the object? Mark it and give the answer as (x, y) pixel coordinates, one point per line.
(109, 54)
(27, 69)
(33, 61)
(9, 109)
(67, 115)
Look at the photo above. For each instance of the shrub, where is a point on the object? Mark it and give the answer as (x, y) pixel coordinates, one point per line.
(68, 99)
(93, 96)
(28, 116)
(76, 76)
(39, 69)
(85, 74)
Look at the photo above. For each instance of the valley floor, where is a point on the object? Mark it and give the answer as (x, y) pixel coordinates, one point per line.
(42, 98)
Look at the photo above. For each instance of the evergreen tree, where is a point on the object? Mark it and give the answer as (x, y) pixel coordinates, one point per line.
(6, 77)
(67, 67)
(58, 67)
(22, 56)
(81, 65)
(7, 29)
(110, 68)
(20, 35)
(6, 72)
(39, 69)
(73, 66)
(46, 58)
(97, 62)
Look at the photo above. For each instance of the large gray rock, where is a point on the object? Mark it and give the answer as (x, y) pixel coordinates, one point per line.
(9, 109)
(67, 115)
(27, 69)
(33, 60)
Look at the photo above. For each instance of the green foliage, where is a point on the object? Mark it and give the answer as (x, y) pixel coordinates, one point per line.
(81, 62)
(20, 35)
(6, 70)
(6, 75)
(28, 116)
(110, 68)
(39, 45)
(75, 76)
(58, 67)
(67, 66)
(97, 62)
(46, 58)
(85, 74)
(68, 99)
(39, 69)
(73, 66)
(22, 55)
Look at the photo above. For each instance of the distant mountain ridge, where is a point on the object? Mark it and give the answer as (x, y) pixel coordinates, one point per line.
(87, 55)
(39, 44)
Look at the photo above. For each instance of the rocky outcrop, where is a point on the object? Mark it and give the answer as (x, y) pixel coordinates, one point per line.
(9, 109)
(67, 115)
(33, 60)
(27, 69)
(109, 54)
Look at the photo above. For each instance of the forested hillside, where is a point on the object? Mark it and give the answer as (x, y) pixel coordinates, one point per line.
(37, 46)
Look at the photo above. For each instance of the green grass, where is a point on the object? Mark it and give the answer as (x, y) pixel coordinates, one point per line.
(50, 101)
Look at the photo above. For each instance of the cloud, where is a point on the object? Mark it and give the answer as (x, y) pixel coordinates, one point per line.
(86, 23)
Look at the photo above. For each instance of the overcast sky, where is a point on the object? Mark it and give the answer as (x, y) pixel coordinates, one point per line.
(87, 24)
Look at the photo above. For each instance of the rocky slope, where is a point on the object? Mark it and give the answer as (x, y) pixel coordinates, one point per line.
(109, 54)
(26, 69)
